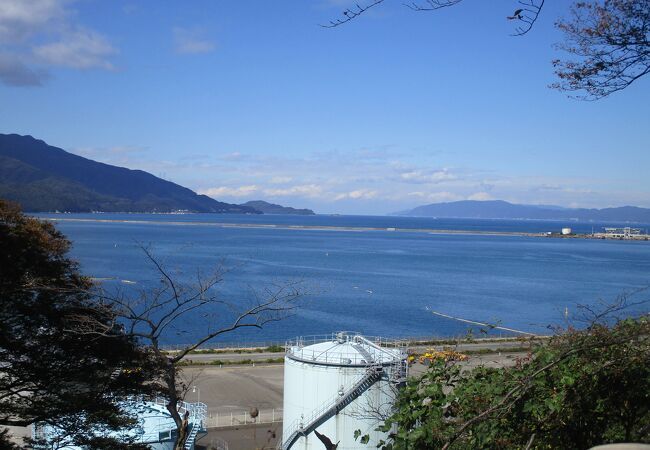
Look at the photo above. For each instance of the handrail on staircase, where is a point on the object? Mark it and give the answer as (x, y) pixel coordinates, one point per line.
(320, 415)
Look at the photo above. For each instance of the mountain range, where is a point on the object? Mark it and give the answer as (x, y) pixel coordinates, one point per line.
(45, 178)
(272, 208)
(499, 209)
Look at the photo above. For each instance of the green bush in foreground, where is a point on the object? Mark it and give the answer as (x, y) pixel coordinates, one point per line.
(581, 389)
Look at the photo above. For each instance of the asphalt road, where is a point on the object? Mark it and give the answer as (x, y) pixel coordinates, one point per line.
(232, 357)
(236, 389)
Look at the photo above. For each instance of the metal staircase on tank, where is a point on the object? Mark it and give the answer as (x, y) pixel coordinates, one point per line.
(194, 430)
(372, 375)
(197, 411)
(365, 353)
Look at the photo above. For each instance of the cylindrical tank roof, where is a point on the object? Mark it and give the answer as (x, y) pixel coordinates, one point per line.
(345, 349)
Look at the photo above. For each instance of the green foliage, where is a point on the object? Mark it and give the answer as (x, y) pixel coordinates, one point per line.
(581, 389)
(275, 349)
(62, 355)
(364, 439)
(213, 351)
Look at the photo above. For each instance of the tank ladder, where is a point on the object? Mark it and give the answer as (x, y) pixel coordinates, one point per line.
(191, 436)
(320, 416)
(365, 353)
(198, 412)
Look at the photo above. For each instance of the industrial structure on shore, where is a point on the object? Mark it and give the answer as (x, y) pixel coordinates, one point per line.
(155, 426)
(335, 385)
(619, 233)
(622, 233)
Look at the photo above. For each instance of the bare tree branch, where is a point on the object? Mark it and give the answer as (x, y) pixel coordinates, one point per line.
(351, 13)
(154, 313)
(525, 15)
(609, 47)
(431, 5)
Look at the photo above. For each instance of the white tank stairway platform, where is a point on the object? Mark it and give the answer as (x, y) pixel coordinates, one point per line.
(191, 437)
(197, 412)
(320, 416)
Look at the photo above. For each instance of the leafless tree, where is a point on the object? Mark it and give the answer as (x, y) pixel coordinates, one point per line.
(525, 13)
(154, 316)
(608, 41)
(609, 46)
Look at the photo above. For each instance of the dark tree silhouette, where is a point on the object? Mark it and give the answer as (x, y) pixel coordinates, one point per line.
(50, 371)
(327, 442)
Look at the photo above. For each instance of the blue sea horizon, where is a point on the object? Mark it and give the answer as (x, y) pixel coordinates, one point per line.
(376, 282)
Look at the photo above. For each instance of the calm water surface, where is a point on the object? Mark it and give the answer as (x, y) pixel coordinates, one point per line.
(376, 282)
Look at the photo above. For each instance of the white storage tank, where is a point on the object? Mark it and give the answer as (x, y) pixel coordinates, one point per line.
(338, 384)
(566, 231)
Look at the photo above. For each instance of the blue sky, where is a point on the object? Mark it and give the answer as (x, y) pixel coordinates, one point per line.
(247, 100)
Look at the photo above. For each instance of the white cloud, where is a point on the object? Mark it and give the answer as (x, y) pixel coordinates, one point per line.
(443, 196)
(426, 176)
(348, 182)
(481, 196)
(191, 41)
(108, 154)
(281, 180)
(14, 72)
(20, 19)
(359, 194)
(225, 191)
(36, 35)
(304, 190)
(232, 156)
(559, 188)
(80, 49)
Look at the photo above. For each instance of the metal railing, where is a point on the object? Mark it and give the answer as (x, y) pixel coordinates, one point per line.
(197, 415)
(154, 427)
(375, 350)
(303, 426)
(218, 444)
(234, 418)
(303, 341)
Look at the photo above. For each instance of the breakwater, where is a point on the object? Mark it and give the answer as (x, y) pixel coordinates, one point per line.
(597, 236)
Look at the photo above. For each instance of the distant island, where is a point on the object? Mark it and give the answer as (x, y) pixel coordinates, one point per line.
(499, 209)
(45, 178)
(271, 208)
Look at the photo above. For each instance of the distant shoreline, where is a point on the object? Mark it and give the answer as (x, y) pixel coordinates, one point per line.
(346, 228)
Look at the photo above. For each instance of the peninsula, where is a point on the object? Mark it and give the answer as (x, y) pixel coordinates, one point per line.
(44, 178)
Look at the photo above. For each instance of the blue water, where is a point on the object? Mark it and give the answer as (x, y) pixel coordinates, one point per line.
(375, 282)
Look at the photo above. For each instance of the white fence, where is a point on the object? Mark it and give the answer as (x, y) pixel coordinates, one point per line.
(235, 418)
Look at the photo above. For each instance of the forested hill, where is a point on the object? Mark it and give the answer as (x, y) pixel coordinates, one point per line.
(45, 178)
(272, 208)
(498, 209)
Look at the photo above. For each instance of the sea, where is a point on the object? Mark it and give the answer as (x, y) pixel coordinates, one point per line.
(377, 275)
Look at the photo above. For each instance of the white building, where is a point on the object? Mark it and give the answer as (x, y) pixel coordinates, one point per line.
(622, 233)
(156, 427)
